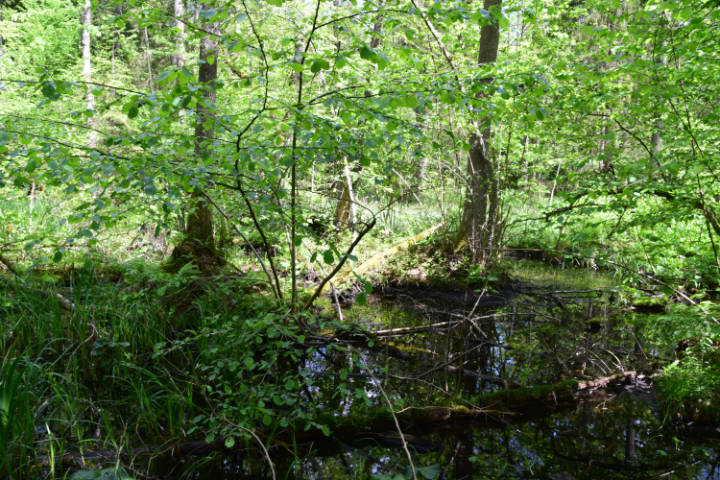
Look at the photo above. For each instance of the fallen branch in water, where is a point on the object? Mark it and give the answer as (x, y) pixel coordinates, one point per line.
(390, 332)
(493, 410)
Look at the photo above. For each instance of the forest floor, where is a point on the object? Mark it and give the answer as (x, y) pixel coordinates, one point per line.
(443, 372)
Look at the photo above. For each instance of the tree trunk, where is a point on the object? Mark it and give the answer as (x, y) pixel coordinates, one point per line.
(480, 213)
(148, 60)
(2, 44)
(87, 68)
(178, 58)
(377, 28)
(345, 212)
(199, 243)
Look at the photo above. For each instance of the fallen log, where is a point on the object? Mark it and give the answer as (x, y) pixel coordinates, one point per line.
(379, 258)
(64, 302)
(390, 332)
(375, 426)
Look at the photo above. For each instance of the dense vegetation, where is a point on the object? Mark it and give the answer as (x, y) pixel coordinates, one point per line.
(193, 192)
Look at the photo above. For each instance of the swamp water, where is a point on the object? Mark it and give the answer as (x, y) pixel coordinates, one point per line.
(458, 349)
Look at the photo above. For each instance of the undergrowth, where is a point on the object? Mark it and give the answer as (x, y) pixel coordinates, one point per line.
(145, 358)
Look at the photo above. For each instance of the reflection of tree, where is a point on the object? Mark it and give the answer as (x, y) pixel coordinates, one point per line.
(621, 439)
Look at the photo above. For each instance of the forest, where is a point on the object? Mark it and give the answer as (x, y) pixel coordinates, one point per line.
(359, 239)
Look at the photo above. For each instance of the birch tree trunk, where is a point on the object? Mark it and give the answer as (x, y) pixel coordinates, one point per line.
(148, 60)
(87, 68)
(178, 58)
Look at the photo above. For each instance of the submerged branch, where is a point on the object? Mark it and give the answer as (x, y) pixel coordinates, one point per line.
(493, 410)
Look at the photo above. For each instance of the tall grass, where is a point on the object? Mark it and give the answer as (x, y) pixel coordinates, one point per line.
(17, 422)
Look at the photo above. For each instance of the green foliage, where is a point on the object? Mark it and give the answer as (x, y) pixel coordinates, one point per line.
(691, 383)
(604, 126)
(103, 474)
(17, 420)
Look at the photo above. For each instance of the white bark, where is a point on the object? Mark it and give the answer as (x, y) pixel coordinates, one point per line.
(179, 55)
(178, 58)
(148, 59)
(87, 68)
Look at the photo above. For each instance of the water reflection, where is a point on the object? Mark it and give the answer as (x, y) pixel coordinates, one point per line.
(436, 346)
(621, 439)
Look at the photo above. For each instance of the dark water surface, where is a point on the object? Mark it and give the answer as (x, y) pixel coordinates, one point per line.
(545, 327)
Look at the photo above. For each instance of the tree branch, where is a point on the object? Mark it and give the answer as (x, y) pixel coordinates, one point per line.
(340, 264)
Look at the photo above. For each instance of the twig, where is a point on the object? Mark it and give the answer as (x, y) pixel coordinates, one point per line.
(409, 187)
(266, 82)
(340, 264)
(261, 231)
(247, 241)
(64, 301)
(403, 330)
(264, 449)
(392, 412)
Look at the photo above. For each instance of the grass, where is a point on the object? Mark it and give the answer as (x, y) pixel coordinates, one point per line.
(147, 356)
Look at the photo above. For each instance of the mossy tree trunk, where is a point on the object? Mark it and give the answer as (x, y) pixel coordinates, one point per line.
(479, 226)
(199, 242)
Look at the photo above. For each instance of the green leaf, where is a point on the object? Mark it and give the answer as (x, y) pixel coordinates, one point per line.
(208, 13)
(319, 64)
(431, 472)
(230, 442)
(366, 53)
(411, 101)
(340, 61)
(328, 257)
(49, 90)
(167, 74)
(31, 165)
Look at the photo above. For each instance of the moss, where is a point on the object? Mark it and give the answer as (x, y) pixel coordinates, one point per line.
(209, 260)
(522, 397)
(518, 402)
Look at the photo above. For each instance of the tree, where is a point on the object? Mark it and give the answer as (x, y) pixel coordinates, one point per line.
(87, 67)
(480, 225)
(199, 242)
